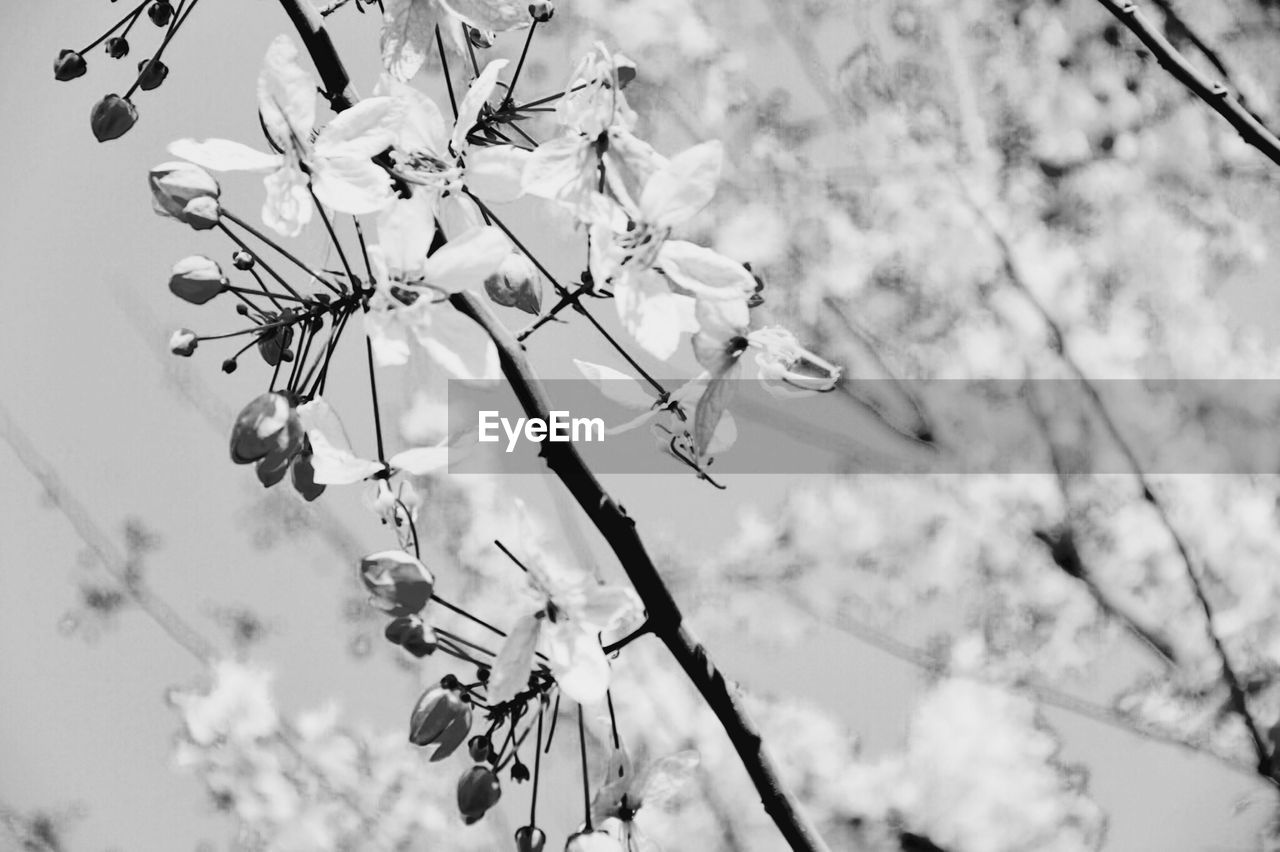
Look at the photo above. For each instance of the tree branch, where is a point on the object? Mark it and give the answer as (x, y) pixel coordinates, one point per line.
(610, 519)
(1216, 95)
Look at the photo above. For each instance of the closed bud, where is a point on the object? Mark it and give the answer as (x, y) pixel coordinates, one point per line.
(69, 65)
(176, 184)
(117, 47)
(478, 790)
(266, 424)
(196, 279)
(112, 117)
(479, 748)
(530, 839)
(519, 772)
(151, 73)
(202, 213)
(480, 38)
(243, 260)
(399, 583)
(542, 12)
(441, 721)
(273, 344)
(183, 342)
(516, 284)
(412, 634)
(160, 13)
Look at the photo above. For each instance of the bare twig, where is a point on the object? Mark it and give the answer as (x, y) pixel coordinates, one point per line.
(609, 518)
(1216, 94)
(1238, 703)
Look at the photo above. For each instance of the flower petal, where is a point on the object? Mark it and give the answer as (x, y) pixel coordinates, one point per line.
(286, 95)
(223, 155)
(287, 208)
(476, 97)
(495, 173)
(683, 186)
(366, 130)
(511, 667)
(651, 313)
(350, 185)
(421, 460)
(466, 260)
(334, 465)
(703, 272)
(615, 385)
(577, 661)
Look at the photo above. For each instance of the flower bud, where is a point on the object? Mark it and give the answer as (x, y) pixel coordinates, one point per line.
(399, 583)
(264, 425)
(160, 13)
(196, 279)
(530, 839)
(441, 720)
(303, 475)
(412, 634)
(201, 213)
(69, 65)
(480, 38)
(176, 184)
(243, 260)
(479, 747)
(519, 772)
(625, 68)
(273, 344)
(151, 73)
(542, 11)
(183, 342)
(516, 284)
(592, 841)
(112, 117)
(478, 790)
(118, 47)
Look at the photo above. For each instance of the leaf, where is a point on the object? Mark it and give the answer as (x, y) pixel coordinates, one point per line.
(615, 385)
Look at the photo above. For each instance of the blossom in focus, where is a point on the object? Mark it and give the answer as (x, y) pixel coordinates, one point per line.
(569, 609)
(478, 790)
(336, 165)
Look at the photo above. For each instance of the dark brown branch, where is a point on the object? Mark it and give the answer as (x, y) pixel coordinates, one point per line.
(664, 616)
(665, 619)
(1217, 95)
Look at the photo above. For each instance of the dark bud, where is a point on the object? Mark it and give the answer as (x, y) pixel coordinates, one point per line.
(229, 365)
(160, 13)
(441, 721)
(519, 772)
(482, 674)
(151, 73)
(478, 790)
(317, 323)
(480, 38)
(243, 260)
(479, 748)
(183, 342)
(626, 70)
(196, 279)
(267, 425)
(409, 632)
(117, 47)
(516, 283)
(242, 309)
(542, 12)
(302, 474)
(399, 584)
(112, 117)
(273, 344)
(530, 839)
(69, 65)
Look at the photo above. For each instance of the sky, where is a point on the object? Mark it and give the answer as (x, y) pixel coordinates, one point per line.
(86, 261)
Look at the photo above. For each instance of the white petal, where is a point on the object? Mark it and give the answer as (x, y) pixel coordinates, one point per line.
(349, 185)
(495, 173)
(477, 95)
(421, 460)
(408, 36)
(683, 186)
(499, 15)
(704, 272)
(466, 260)
(367, 129)
(423, 126)
(711, 405)
(223, 155)
(616, 385)
(405, 230)
(652, 314)
(559, 168)
(287, 208)
(577, 661)
(336, 466)
(286, 94)
(387, 337)
(510, 673)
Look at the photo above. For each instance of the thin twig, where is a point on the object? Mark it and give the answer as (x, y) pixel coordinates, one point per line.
(1216, 94)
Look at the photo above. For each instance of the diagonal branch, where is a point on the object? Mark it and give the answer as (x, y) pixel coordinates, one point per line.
(1215, 94)
(618, 529)
(1237, 702)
